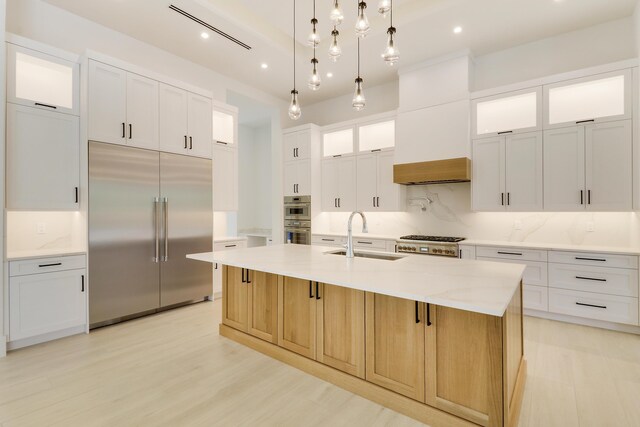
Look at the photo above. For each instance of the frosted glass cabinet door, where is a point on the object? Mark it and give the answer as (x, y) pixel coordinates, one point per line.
(515, 112)
(107, 100)
(377, 136)
(564, 183)
(43, 159)
(224, 126)
(489, 174)
(43, 81)
(524, 172)
(604, 97)
(338, 142)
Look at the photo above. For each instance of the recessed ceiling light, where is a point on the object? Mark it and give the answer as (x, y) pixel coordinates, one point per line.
(264, 65)
(204, 35)
(457, 30)
(329, 74)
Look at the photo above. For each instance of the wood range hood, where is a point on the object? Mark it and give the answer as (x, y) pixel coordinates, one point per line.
(433, 172)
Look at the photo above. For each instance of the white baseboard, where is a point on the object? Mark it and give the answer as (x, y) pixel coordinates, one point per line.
(3, 346)
(25, 342)
(620, 327)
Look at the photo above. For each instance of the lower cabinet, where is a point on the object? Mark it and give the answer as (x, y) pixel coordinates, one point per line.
(297, 316)
(395, 345)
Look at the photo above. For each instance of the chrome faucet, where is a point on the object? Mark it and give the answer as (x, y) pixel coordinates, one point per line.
(349, 246)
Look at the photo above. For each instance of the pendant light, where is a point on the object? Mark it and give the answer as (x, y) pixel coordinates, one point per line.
(314, 37)
(334, 49)
(391, 55)
(362, 23)
(384, 6)
(294, 107)
(359, 101)
(336, 16)
(314, 80)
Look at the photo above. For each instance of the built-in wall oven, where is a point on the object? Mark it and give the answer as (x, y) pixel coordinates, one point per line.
(297, 220)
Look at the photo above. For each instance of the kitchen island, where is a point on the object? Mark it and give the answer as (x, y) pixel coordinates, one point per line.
(437, 339)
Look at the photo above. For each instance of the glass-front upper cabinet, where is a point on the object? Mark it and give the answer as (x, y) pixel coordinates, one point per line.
(599, 98)
(224, 126)
(338, 142)
(43, 81)
(377, 136)
(513, 112)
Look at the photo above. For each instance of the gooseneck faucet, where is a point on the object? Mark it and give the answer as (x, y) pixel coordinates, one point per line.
(349, 246)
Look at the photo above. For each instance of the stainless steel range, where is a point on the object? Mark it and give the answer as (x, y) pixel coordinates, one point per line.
(429, 245)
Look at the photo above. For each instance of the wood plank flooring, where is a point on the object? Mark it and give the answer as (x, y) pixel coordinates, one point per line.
(173, 369)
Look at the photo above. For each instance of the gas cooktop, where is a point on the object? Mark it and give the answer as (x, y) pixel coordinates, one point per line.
(433, 238)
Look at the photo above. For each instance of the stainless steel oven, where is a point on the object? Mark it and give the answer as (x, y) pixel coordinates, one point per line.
(297, 232)
(297, 208)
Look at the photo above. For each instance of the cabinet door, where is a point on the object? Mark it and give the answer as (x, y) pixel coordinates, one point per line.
(290, 176)
(489, 174)
(200, 133)
(515, 112)
(174, 136)
(297, 316)
(340, 328)
(347, 184)
(234, 298)
(564, 184)
(330, 182)
(44, 303)
(524, 172)
(142, 112)
(367, 182)
(43, 160)
(217, 278)
(296, 145)
(390, 196)
(464, 364)
(263, 306)
(225, 178)
(107, 103)
(303, 174)
(609, 178)
(395, 345)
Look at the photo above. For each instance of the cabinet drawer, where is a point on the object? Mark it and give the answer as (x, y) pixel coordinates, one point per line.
(601, 260)
(536, 297)
(46, 265)
(328, 240)
(534, 274)
(603, 280)
(369, 244)
(225, 246)
(610, 308)
(511, 253)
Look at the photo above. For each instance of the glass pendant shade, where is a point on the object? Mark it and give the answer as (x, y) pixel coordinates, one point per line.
(294, 107)
(336, 16)
(362, 23)
(314, 79)
(384, 6)
(391, 55)
(314, 37)
(334, 49)
(359, 101)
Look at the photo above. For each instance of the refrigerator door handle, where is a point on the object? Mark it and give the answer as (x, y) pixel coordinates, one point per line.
(156, 224)
(166, 228)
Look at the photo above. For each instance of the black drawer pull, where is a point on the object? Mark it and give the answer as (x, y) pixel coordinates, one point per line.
(310, 289)
(230, 246)
(243, 279)
(376, 150)
(50, 265)
(337, 155)
(591, 259)
(219, 142)
(591, 305)
(328, 240)
(248, 278)
(364, 243)
(46, 105)
(510, 253)
(417, 314)
(506, 131)
(585, 121)
(428, 314)
(317, 291)
(591, 278)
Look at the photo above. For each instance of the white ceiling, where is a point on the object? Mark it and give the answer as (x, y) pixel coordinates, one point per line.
(424, 31)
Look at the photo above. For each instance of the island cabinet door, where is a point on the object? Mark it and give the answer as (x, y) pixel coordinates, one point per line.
(234, 298)
(297, 316)
(464, 364)
(340, 328)
(395, 338)
(263, 305)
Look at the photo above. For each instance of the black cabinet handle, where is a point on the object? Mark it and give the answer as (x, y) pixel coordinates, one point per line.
(317, 291)
(377, 202)
(335, 203)
(590, 259)
(190, 143)
(339, 200)
(428, 314)
(510, 253)
(230, 246)
(248, 276)
(49, 265)
(123, 132)
(82, 277)
(585, 121)
(591, 278)
(243, 281)
(582, 197)
(506, 131)
(130, 131)
(373, 201)
(502, 197)
(417, 314)
(215, 266)
(76, 194)
(310, 289)
(185, 142)
(591, 305)
(588, 197)
(376, 150)
(328, 240)
(508, 199)
(46, 105)
(364, 242)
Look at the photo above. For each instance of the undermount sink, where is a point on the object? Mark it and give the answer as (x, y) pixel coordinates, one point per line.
(387, 257)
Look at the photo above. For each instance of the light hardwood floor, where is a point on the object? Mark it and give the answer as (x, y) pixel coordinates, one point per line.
(173, 369)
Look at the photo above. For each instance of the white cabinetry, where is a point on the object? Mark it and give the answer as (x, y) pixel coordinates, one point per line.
(507, 173)
(227, 245)
(43, 160)
(123, 107)
(301, 148)
(225, 156)
(375, 188)
(297, 178)
(339, 184)
(589, 167)
(50, 302)
(515, 112)
(296, 145)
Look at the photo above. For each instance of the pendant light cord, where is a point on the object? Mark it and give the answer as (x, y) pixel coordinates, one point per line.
(391, 14)
(358, 57)
(294, 44)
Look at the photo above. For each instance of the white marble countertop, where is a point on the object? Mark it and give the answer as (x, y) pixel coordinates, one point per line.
(555, 246)
(225, 239)
(478, 286)
(43, 253)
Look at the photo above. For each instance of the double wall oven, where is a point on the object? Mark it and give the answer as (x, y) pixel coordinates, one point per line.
(297, 220)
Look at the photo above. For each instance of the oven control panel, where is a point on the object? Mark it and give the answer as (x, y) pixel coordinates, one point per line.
(450, 250)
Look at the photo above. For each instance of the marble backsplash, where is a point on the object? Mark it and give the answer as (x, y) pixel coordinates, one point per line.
(62, 230)
(445, 209)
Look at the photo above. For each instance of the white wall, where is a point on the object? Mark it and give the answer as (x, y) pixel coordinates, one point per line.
(255, 195)
(3, 292)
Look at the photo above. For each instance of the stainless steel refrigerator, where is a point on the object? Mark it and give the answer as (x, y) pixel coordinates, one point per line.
(147, 210)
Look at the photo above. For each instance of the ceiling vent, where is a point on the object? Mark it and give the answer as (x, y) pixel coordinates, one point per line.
(209, 26)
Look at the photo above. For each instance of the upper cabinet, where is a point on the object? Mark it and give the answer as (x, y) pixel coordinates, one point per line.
(296, 145)
(224, 133)
(515, 112)
(301, 156)
(603, 97)
(225, 125)
(339, 142)
(123, 107)
(38, 80)
(377, 136)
